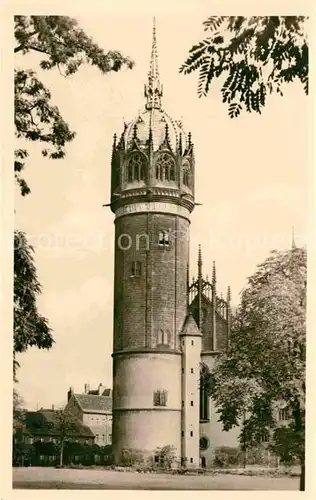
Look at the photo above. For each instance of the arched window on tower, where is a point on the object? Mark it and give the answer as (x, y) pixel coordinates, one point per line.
(165, 167)
(160, 337)
(163, 337)
(136, 167)
(186, 173)
(204, 397)
(164, 238)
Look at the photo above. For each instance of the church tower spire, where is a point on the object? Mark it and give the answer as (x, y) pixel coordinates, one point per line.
(153, 89)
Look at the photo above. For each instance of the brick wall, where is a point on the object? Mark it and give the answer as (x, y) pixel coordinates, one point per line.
(158, 298)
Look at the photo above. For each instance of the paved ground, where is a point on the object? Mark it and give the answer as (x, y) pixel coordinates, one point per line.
(50, 478)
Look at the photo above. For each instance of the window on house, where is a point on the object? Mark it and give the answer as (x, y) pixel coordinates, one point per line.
(191, 460)
(192, 342)
(182, 403)
(136, 268)
(264, 436)
(182, 370)
(164, 238)
(110, 438)
(192, 371)
(191, 433)
(160, 398)
(182, 433)
(191, 403)
(284, 414)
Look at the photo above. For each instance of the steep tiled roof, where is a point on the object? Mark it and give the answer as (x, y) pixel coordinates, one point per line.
(190, 327)
(93, 403)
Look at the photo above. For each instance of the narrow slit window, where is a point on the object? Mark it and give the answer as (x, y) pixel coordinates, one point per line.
(136, 268)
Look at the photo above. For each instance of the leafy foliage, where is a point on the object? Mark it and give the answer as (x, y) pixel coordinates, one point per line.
(62, 44)
(256, 56)
(166, 456)
(264, 366)
(131, 457)
(65, 46)
(30, 328)
(18, 413)
(65, 425)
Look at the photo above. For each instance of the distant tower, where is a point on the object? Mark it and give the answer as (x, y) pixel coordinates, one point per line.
(152, 196)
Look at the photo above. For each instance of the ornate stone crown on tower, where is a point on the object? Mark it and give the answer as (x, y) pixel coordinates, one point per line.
(154, 156)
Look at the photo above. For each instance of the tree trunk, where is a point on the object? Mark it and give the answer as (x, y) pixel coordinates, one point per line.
(302, 476)
(61, 455)
(299, 418)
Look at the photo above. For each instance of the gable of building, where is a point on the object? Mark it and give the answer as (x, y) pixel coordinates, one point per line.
(207, 324)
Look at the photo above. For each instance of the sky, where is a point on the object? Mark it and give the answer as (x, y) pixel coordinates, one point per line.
(251, 178)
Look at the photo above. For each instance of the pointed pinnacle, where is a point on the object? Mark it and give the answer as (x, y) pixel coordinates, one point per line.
(150, 137)
(214, 273)
(228, 295)
(180, 144)
(135, 132)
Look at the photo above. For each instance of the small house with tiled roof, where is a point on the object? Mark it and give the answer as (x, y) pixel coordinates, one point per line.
(94, 409)
(42, 426)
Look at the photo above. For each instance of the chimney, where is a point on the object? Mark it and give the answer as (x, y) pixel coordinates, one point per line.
(100, 389)
(86, 388)
(53, 407)
(70, 393)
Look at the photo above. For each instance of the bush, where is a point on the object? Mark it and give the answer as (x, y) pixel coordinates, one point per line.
(130, 457)
(165, 457)
(226, 456)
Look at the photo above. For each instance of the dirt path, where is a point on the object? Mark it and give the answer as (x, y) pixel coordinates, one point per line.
(49, 478)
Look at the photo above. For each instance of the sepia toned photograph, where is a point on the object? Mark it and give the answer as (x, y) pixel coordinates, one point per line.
(161, 227)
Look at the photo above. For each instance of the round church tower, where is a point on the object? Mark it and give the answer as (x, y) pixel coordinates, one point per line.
(152, 196)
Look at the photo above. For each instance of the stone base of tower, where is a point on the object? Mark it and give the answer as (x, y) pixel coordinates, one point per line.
(143, 432)
(147, 408)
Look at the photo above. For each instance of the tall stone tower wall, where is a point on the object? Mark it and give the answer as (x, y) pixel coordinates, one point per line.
(152, 196)
(149, 313)
(153, 299)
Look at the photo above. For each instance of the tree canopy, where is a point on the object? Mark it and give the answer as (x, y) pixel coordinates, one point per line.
(264, 367)
(64, 46)
(253, 56)
(30, 328)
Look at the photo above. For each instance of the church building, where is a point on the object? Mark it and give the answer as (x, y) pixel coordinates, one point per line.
(167, 328)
